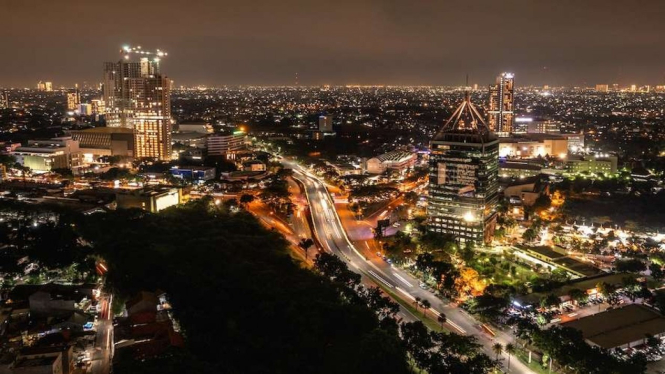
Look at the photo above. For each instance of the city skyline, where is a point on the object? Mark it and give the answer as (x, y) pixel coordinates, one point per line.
(393, 43)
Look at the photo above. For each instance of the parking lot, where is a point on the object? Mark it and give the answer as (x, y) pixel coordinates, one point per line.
(566, 312)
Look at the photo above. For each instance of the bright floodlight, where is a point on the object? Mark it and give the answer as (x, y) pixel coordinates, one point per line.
(469, 217)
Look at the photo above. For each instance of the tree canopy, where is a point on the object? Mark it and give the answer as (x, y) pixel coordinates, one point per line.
(244, 305)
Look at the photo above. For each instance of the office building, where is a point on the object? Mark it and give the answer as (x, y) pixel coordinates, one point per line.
(4, 100)
(226, 144)
(594, 164)
(98, 107)
(85, 109)
(104, 141)
(533, 145)
(73, 99)
(325, 124)
(602, 88)
(138, 96)
(501, 105)
(530, 125)
(46, 155)
(575, 142)
(463, 180)
(45, 86)
(149, 199)
(72, 103)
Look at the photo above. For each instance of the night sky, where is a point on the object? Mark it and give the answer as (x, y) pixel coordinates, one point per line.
(222, 42)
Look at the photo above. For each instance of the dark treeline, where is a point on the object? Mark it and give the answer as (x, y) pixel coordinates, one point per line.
(244, 305)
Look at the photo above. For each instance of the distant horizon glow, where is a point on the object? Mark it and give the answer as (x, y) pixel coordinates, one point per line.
(396, 43)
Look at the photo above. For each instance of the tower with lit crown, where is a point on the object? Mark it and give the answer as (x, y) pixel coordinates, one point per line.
(463, 177)
(138, 96)
(501, 105)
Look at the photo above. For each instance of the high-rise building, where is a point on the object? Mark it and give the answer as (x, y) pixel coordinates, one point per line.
(325, 124)
(227, 144)
(98, 106)
(45, 86)
(602, 88)
(85, 109)
(73, 99)
(138, 96)
(4, 100)
(463, 177)
(501, 105)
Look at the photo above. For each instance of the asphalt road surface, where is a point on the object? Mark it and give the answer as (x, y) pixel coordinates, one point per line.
(332, 236)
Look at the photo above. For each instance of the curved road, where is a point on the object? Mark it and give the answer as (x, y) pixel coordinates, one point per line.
(332, 236)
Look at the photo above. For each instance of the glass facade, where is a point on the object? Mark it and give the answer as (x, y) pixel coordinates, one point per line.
(463, 178)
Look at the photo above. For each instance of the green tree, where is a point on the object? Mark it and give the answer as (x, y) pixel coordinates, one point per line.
(577, 295)
(7, 160)
(529, 235)
(417, 301)
(442, 319)
(549, 301)
(500, 233)
(630, 265)
(497, 348)
(657, 271)
(426, 305)
(246, 199)
(205, 258)
(305, 244)
(510, 350)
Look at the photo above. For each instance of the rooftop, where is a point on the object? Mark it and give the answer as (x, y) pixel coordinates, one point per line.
(106, 130)
(154, 191)
(618, 327)
(465, 125)
(519, 166)
(577, 266)
(32, 362)
(544, 251)
(395, 156)
(583, 284)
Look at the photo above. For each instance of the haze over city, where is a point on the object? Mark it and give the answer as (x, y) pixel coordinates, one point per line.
(348, 187)
(264, 42)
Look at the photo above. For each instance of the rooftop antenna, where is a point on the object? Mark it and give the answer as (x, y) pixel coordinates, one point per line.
(467, 80)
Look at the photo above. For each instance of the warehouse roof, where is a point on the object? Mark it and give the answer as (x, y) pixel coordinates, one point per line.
(618, 327)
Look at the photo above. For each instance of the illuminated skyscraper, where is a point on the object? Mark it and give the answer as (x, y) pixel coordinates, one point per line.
(45, 86)
(463, 177)
(138, 96)
(4, 100)
(73, 99)
(502, 104)
(602, 88)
